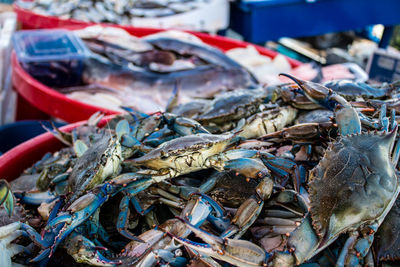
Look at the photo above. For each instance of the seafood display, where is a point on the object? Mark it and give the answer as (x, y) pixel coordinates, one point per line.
(283, 175)
(113, 68)
(142, 73)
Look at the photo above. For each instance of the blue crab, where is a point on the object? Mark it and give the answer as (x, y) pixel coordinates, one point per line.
(157, 244)
(354, 194)
(172, 158)
(351, 196)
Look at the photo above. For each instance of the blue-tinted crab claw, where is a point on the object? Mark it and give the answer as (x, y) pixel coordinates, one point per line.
(348, 121)
(79, 211)
(347, 117)
(183, 126)
(197, 210)
(316, 92)
(123, 220)
(249, 168)
(249, 211)
(64, 137)
(236, 252)
(130, 184)
(6, 197)
(217, 216)
(167, 256)
(35, 198)
(282, 168)
(85, 251)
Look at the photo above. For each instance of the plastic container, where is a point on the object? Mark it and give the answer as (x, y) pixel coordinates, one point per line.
(51, 102)
(15, 161)
(13, 134)
(262, 20)
(41, 52)
(210, 16)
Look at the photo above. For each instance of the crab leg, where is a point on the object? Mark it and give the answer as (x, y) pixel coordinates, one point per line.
(262, 231)
(236, 252)
(139, 208)
(355, 248)
(85, 251)
(248, 212)
(123, 220)
(282, 167)
(170, 258)
(218, 217)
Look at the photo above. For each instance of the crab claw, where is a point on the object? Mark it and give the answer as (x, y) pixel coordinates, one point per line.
(85, 251)
(8, 234)
(250, 168)
(35, 198)
(78, 212)
(348, 121)
(236, 252)
(183, 126)
(317, 93)
(218, 217)
(6, 197)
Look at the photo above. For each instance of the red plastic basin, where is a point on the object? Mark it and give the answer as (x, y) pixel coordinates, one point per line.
(58, 105)
(16, 160)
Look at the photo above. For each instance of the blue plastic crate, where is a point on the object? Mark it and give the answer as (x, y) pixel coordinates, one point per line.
(54, 57)
(260, 21)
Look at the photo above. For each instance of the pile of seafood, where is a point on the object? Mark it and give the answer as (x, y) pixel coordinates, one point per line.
(272, 176)
(146, 73)
(121, 12)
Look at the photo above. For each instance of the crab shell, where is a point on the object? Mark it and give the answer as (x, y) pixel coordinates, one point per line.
(354, 185)
(101, 160)
(187, 153)
(232, 106)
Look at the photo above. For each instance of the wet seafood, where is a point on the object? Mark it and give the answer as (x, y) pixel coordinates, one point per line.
(146, 73)
(164, 189)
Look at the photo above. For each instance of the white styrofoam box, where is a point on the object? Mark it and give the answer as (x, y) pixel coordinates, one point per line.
(209, 17)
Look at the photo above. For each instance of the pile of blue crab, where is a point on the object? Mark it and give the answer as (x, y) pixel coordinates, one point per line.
(296, 174)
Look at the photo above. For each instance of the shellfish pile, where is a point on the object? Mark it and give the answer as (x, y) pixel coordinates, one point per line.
(298, 173)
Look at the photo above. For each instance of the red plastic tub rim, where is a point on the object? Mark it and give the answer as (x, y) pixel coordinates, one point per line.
(23, 156)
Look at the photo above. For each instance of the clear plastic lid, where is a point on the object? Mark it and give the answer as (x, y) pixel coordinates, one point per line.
(46, 45)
